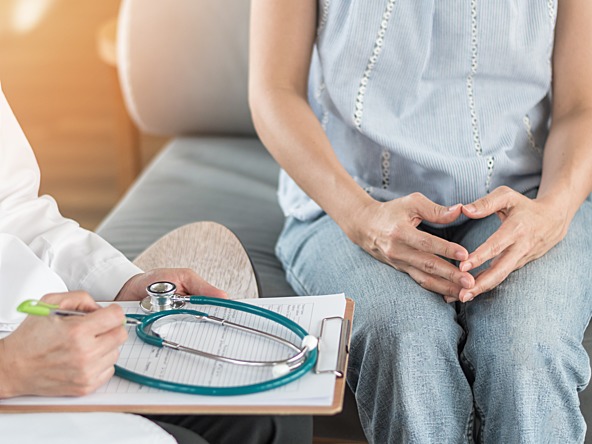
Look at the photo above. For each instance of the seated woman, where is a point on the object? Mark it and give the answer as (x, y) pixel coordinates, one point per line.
(437, 168)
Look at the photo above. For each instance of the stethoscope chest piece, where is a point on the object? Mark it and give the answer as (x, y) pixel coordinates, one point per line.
(161, 296)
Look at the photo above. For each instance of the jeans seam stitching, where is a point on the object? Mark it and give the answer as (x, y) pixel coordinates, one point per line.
(476, 406)
(289, 271)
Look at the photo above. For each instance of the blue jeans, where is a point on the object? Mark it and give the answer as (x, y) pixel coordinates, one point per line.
(422, 370)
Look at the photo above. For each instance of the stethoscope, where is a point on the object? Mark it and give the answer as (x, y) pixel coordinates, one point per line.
(163, 306)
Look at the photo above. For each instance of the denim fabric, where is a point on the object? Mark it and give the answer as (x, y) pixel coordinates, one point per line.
(422, 369)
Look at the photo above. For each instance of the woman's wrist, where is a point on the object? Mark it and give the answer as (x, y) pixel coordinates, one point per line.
(356, 222)
(561, 203)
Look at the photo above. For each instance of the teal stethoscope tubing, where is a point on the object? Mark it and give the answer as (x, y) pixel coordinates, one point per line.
(146, 320)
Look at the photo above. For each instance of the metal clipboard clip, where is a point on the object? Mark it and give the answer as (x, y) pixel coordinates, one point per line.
(342, 347)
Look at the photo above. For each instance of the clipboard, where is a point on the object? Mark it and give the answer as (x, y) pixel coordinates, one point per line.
(334, 408)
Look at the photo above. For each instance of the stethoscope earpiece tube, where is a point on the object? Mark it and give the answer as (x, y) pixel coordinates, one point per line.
(220, 391)
(283, 371)
(148, 320)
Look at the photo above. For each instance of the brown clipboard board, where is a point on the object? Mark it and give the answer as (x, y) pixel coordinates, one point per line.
(332, 409)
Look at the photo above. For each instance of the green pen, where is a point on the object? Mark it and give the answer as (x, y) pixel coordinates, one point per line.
(40, 308)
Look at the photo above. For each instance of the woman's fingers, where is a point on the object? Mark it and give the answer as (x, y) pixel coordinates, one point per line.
(424, 209)
(436, 266)
(505, 264)
(496, 244)
(500, 199)
(429, 243)
(433, 283)
(396, 240)
(526, 233)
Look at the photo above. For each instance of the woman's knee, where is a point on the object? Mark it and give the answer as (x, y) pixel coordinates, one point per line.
(386, 330)
(532, 354)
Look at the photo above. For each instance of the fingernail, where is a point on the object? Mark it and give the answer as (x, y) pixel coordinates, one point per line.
(449, 299)
(466, 266)
(471, 208)
(453, 208)
(460, 255)
(469, 297)
(466, 282)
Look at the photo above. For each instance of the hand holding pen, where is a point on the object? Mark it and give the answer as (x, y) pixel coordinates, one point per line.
(41, 308)
(62, 355)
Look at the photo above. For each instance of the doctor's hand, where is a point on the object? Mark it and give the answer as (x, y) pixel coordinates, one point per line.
(529, 229)
(187, 281)
(62, 356)
(388, 231)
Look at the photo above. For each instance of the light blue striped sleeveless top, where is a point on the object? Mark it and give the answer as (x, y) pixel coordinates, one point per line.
(450, 98)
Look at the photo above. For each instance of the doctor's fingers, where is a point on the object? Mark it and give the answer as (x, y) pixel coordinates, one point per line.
(195, 284)
(78, 344)
(104, 319)
(110, 340)
(87, 375)
(104, 377)
(72, 300)
(188, 282)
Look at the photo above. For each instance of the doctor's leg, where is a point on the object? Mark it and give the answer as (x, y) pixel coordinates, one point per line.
(218, 429)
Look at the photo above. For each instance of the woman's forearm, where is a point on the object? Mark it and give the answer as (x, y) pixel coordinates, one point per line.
(292, 133)
(567, 163)
(281, 45)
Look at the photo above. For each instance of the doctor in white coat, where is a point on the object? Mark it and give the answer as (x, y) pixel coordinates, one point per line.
(46, 256)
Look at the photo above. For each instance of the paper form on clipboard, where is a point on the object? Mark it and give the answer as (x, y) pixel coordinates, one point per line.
(310, 390)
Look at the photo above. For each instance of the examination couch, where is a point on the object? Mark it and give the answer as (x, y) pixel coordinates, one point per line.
(183, 73)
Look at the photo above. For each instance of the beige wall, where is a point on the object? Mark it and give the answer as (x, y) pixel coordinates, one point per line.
(63, 97)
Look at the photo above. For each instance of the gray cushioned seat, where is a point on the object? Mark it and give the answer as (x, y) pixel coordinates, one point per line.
(231, 181)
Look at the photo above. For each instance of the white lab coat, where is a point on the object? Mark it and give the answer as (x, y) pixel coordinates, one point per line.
(43, 252)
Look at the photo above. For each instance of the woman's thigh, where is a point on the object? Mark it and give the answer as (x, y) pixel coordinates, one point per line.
(524, 337)
(320, 259)
(550, 297)
(404, 366)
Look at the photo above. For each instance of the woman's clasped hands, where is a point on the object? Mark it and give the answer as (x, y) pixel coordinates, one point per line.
(529, 229)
